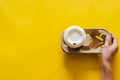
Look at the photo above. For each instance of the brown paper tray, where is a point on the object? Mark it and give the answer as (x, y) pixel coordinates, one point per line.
(92, 44)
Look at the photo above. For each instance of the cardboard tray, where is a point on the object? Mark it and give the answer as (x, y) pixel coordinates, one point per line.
(93, 44)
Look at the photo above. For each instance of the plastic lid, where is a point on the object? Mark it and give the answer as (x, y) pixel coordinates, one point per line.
(74, 36)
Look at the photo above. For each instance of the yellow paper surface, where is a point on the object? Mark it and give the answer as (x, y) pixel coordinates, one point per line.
(30, 38)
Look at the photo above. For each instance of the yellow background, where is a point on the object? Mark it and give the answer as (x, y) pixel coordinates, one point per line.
(30, 32)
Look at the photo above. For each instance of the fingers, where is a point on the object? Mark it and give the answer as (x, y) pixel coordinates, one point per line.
(115, 41)
(107, 40)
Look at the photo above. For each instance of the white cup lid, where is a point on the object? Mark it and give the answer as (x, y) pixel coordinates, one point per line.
(74, 36)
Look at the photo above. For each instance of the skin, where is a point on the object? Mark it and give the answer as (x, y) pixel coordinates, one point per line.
(108, 51)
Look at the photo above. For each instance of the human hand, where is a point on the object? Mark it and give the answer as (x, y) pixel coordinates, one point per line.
(108, 51)
(110, 46)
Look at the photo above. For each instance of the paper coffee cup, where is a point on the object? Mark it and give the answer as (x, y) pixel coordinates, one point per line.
(74, 36)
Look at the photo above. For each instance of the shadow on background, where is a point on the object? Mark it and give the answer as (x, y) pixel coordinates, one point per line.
(80, 64)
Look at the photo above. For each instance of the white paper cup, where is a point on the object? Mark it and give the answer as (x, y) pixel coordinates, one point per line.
(74, 36)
